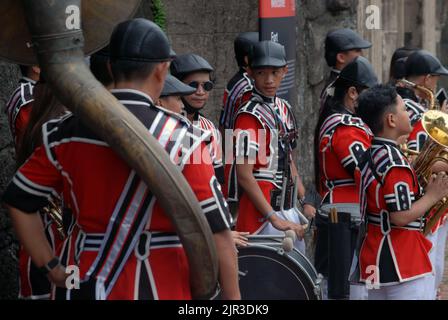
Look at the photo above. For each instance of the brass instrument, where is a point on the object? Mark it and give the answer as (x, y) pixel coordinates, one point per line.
(42, 32)
(427, 91)
(408, 153)
(435, 149)
(54, 211)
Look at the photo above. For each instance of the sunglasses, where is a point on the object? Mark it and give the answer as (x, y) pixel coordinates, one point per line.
(208, 85)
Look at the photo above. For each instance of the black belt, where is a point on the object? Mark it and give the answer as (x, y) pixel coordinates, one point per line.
(382, 220)
(331, 184)
(148, 239)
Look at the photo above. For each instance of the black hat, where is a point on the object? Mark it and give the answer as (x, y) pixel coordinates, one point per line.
(397, 63)
(342, 40)
(188, 63)
(267, 54)
(140, 40)
(243, 45)
(175, 87)
(422, 62)
(398, 70)
(359, 72)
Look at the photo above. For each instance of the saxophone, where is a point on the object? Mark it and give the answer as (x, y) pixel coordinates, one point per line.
(54, 211)
(428, 92)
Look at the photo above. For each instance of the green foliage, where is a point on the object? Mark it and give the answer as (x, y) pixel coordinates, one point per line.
(159, 13)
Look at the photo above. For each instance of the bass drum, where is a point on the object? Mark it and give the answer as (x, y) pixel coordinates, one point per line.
(267, 272)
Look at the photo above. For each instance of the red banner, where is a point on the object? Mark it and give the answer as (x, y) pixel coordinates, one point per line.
(277, 8)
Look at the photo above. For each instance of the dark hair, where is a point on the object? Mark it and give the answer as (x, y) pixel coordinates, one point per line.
(395, 70)
(374, 103)
(332, 105)
(98, 66)
(24, 70)
(44, 108)
(126, 70)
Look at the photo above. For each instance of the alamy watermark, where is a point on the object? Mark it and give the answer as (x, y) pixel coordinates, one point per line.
(373, 17)
(73, 20)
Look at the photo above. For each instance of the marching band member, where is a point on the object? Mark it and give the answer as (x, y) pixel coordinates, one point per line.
(195, 71)
(342, 140)
(265, 131)
(342, 46)
(393, 257)
(118, 259)
(171, 99)
(238, 91)
(44, 106)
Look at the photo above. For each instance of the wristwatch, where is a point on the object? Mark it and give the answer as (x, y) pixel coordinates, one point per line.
(45, 269)
(302, 201)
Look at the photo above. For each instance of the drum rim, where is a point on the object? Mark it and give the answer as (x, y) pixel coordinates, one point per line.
(313, 282)
(303, 256)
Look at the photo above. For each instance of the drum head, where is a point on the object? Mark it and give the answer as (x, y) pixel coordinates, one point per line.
(99, 17)
(267, 275)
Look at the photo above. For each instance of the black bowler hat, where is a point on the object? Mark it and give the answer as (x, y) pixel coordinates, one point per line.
(140, 40)
(243, 45)
(188, 63)
(359, 72)
(267, 54)
(175, 87)
(342, 40)
(422, 62)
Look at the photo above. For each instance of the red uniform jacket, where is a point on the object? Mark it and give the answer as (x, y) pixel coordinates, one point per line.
(343, 140)
(112, 205)
(390, 254)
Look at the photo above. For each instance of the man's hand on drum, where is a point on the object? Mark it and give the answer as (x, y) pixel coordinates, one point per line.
(284, 225)
(240, 238)
(309, 211)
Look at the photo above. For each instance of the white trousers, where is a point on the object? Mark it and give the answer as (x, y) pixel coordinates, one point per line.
(410, 290)
(430, 288)
(440, 254)
(437, 257)
(290, 215)
(359, 292)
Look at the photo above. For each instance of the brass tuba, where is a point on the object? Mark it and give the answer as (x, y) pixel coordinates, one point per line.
(47, 32)
(435, 124)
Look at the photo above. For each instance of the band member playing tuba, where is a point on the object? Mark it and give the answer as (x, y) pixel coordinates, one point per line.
(124, 245)
(392, 258)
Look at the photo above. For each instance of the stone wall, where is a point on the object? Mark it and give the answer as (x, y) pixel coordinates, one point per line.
(209, 27)
(8, 246)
